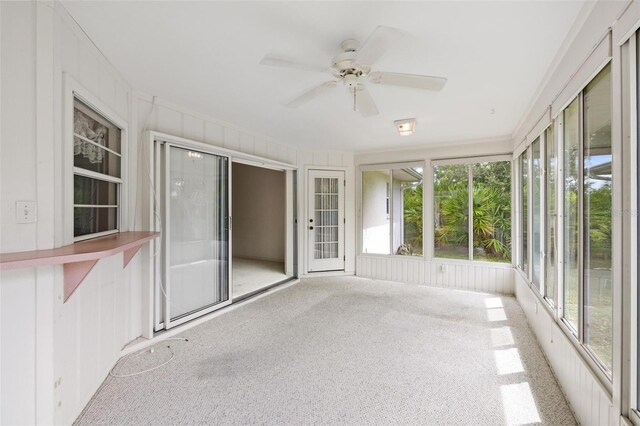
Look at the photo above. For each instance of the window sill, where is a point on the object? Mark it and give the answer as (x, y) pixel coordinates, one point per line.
(78, 259)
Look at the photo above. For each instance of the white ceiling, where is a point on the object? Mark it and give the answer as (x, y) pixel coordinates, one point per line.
(204, 55)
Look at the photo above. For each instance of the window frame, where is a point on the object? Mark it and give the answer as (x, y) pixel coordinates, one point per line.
(633, 129)
(389, 197)
(576, 337)
(73, 90)
(546, 219)
(469, 162)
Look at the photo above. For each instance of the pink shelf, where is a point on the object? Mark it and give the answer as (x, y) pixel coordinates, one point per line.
(78, 259)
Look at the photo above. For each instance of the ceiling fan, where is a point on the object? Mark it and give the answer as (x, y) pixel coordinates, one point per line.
(352, 67)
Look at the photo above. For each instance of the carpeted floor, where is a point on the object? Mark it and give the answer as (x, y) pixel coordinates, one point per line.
(250, 274)
(344, 350)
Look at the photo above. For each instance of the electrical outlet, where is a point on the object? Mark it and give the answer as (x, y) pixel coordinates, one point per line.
(26, 212)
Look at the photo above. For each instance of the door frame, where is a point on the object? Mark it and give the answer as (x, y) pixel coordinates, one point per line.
(306, 253)
(291, 216)
(152, 269)
(161, 304)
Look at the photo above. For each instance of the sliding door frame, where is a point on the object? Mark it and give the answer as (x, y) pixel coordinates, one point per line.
(153, 310)
(163, 286)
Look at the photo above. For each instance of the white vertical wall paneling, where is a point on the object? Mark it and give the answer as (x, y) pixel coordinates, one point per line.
(262, 149)
(319, 159)
(590, 402)
(169, 121)
(468, 276)
(231, 139)
(213, 134)
(247, 143)
(193, 128)
(45, 278)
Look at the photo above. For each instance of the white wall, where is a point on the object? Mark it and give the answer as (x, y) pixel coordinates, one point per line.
(44, 341)
(589, 400)
(258, 198)
(375, 219)
(480, 276)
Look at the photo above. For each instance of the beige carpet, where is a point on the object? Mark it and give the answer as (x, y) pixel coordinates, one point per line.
(347, 351)
(250, 275)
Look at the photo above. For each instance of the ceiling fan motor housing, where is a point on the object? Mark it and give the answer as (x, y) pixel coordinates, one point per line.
(343, 64)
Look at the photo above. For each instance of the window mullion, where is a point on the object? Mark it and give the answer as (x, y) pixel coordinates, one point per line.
(581, 322)
(390, 208)
(95, 175)
(530, 205)
(543, 211)
(470, 210)
(559, 188)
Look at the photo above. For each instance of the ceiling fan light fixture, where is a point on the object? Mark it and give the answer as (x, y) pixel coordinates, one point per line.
(406, 126)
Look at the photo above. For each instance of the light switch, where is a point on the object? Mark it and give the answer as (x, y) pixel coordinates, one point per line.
(26, 212)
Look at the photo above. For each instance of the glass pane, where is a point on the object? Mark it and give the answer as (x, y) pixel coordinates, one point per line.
(524, 211)
(90, 157)
(406, 190)
(598, 309)
(451, 211)
(536, 172)
(492, 211)
(93, 133)
(551, 216)
(376, 214)
(198, 211)
(91, 125)
(326, 218)
(570, 220)
(94, 191)
(91, 220)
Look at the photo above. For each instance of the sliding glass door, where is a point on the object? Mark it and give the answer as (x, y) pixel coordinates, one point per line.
(195, 206)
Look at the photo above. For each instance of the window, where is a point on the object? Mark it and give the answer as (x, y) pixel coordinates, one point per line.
(476, 225)
(587, 220)
(536, 197)
(523, 165)
(97, 179)
(492, 211)
(392, 209)
(596, 205)
(570, 219)
(451, 211)
(551, 215)
(536, 173)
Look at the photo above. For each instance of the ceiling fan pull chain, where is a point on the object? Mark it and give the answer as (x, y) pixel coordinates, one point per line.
(354, 98)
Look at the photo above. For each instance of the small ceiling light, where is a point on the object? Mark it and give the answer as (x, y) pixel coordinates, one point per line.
(405, 127)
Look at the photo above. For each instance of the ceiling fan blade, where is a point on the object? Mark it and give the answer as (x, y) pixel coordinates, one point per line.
(278, 61)
(311, 94)
(379, 41)
(424, 82)
(364, 102)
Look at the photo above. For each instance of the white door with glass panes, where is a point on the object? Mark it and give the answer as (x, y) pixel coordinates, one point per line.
(325, 222)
